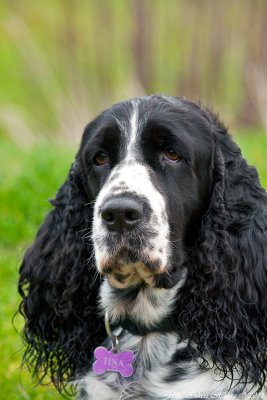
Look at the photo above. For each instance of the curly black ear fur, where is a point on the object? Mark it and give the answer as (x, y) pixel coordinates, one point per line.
(59, 287)
(224, 307)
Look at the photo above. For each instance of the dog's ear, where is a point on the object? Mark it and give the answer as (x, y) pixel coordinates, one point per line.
(59, 288)
(225, 308)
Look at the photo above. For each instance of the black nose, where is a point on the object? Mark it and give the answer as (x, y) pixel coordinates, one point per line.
(121, 214)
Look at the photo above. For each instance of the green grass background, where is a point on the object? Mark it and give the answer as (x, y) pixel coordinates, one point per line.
(28, 179)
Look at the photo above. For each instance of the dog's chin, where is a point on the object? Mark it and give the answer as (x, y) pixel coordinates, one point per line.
(135, 280)
(126, 268)
(136, 275)
(130, 275)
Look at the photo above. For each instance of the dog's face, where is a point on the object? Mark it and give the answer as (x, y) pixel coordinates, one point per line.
(147, 166)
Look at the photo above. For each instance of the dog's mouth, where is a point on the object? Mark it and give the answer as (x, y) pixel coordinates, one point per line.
(131, 275)
(126, 269)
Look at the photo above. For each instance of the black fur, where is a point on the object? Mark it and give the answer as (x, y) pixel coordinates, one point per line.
(222, 306)
(60, 288)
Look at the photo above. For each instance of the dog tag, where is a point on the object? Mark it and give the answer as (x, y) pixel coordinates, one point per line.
(113, 360)
(108, 360)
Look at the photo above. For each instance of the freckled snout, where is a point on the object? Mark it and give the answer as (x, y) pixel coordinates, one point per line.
(121, 214)
(131, 229)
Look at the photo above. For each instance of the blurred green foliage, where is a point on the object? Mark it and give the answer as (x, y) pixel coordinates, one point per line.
(28, 179)
(62, 62)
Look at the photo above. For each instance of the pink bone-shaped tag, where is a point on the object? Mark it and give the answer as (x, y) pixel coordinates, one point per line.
(107, 360)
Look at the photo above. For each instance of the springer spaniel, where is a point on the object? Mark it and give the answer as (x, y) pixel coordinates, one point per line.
(161, 226)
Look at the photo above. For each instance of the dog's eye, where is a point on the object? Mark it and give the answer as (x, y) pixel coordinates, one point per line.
(171, 155)
(101, 158)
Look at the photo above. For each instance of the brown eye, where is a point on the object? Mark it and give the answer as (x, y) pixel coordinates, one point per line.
(171, 155)
(101, 158)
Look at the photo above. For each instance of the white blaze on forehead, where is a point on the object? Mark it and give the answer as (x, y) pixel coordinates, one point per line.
(132, 134)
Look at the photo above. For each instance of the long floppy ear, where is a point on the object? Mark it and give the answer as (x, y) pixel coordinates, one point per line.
(59, 287)
(225, 298)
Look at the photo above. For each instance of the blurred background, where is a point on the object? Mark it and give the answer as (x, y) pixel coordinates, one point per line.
(62, 62)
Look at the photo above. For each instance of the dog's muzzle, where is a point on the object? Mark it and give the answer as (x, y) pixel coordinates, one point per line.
(130, 229)
(121, 216)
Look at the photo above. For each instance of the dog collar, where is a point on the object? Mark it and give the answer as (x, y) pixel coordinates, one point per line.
(167, 325)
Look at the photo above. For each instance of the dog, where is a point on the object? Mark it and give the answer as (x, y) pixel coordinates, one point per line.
(156, 246)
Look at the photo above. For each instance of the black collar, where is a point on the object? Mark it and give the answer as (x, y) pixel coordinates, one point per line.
(166, 325)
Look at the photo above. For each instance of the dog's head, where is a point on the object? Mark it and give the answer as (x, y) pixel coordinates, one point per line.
(159, 197)
(147, 164)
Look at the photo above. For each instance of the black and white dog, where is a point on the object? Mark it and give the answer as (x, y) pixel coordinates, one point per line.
(162, 225)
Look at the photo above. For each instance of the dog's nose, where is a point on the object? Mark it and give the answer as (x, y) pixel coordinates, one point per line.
(121, 214)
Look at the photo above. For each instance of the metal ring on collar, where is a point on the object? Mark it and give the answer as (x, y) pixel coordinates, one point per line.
(114, 338)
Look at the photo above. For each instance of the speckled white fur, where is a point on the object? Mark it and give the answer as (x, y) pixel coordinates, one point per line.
(149, 307)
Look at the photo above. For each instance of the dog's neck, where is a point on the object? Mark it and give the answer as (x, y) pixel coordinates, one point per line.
(139, 310)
